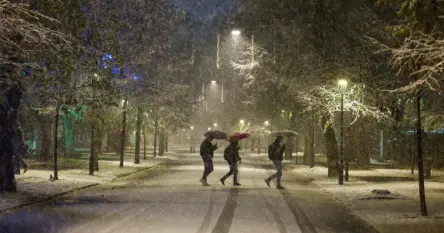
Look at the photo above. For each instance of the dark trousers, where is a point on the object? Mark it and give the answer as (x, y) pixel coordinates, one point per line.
(278, 174)
(208, 168)
(233, 171)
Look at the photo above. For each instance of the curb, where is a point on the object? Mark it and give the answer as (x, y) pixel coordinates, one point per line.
(52, 197)
(140, 170)
(45, 199)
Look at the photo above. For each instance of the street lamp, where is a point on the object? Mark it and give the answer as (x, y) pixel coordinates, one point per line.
(235, 32)
(242, 122)
(213, 82)
(266, 123)
(192, 127)
(209, 128)
(215, 125)
(342, 84)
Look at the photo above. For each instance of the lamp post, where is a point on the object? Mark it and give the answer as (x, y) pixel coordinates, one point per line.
(267, 126)
(342, 84)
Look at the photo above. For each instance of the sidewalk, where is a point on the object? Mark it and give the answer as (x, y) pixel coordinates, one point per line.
(396, 212)
(35, 185)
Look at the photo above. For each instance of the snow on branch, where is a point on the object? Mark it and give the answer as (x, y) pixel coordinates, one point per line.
(421, 57)
(22, 29)
(327, 100)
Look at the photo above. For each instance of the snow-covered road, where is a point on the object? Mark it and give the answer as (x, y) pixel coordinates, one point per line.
(170, 199)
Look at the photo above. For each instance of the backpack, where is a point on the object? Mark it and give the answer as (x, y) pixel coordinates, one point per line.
(271, 154)
(227, 154)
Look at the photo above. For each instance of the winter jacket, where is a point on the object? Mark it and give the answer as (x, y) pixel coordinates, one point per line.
(207, 150)
(277, 151)
(231, 154)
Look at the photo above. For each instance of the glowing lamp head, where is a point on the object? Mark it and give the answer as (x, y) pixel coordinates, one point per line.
(235, 32)
(342, 84)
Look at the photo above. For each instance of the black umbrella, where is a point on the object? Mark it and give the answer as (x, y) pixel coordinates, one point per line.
(216, 134)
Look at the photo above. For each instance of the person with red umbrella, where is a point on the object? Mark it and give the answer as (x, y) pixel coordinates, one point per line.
(231, 155)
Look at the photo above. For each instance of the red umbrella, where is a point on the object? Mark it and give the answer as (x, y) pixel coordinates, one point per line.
(238, 136)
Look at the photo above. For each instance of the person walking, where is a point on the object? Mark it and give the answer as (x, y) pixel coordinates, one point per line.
(207, 152)
(231, 155)
(275, 154)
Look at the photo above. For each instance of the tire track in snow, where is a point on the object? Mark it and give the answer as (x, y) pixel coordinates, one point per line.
(225, 219)
(276, 216)
(207, 220)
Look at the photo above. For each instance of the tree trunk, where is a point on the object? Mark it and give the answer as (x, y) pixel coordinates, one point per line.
(45, 139)
(162, 143)
(311, 141)
(289, 148)
(156, 128)
(253, 145)
(412, 159)
(306, 153)
(258, 146)
(331, 147)
(123, 133)
(138, 128)
(166, 141)
(98, 142)
(420, 157)
(56, 169)
(144, 143)
(92, 152)
(8, 115)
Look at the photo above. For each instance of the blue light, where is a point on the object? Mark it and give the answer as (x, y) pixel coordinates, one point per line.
(107, 56)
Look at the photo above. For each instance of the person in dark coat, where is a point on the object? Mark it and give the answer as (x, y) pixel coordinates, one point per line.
(231, 155)
(276, 154)
(207, 152)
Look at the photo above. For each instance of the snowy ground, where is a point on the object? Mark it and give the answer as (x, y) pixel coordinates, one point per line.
(396, 212)
(35, 185)
(170, 199)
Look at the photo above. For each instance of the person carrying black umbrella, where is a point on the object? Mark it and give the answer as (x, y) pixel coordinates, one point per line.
(207, 152)
(231, 155)
(275, 154)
